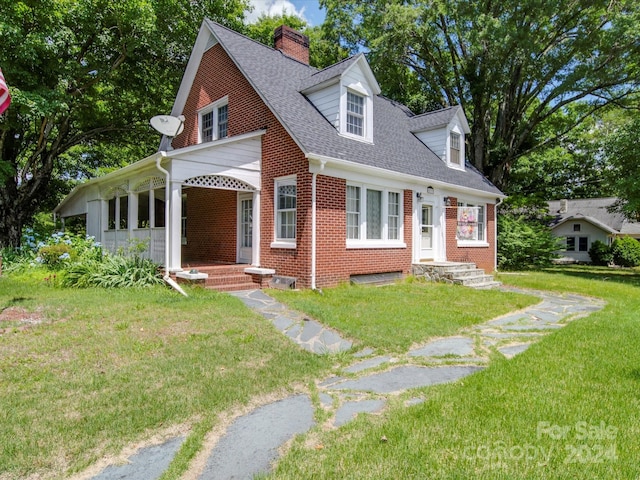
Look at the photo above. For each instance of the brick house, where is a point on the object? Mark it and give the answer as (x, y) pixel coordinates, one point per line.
(307, 173)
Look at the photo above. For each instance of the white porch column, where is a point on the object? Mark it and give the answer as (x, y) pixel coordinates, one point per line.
(133, 213)
(175, 225)
(255, 241)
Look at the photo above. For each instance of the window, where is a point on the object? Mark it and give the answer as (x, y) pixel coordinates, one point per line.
(576, 227)
(111, 221)
(355, 114)
(471, 222)
(373, 215)
(143, 210)
(454, 151)
(286, 209)
(353, 212)
(581, 242)
(124, 213)
(394, 216)
(214, 121)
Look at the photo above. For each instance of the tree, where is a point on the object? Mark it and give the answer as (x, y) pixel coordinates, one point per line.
(513, 66)
(621, 152)
(323, 49)
(85, 77)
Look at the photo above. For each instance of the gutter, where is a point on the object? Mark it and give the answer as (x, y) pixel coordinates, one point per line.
(167, 188)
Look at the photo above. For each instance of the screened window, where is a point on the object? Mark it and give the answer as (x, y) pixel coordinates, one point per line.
(471, 222)
(214, 121)
(373, 214)
(355, 114)
(454, 156)
(124, 213)
(143, 210)
(286, 209)
(353, 212)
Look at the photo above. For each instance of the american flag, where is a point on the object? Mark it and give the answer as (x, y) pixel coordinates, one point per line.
(5, 98)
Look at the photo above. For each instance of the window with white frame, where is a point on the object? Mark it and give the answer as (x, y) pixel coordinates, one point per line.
(355, 114)
(471, 223)
(374, 215)
(454, 148)
(285, 209)
(579, 244)
(214, 121)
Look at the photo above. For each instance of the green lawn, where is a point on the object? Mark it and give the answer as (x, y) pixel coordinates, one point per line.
(392, 318)
(102, 369)
(566, 408)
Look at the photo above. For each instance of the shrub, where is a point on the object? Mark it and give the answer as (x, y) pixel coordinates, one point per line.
(524, 244)
(55, 256)
(600, 253)
(626, 252)
(114, 271)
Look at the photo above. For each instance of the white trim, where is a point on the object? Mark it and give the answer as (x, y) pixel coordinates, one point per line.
(277, 241)
(373, 244)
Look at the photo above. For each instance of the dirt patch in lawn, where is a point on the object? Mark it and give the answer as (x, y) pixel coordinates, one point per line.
(18, 318)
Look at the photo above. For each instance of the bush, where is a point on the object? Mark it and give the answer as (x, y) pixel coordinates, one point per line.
(113, 271)
(626, 252)
(600, 253)
(524, 244)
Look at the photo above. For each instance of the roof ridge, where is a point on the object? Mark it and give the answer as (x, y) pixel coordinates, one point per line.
(431, 112)
(351, 57)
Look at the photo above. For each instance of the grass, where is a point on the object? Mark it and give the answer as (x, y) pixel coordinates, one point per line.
(565, 408)
(392, 318)
(102, 369)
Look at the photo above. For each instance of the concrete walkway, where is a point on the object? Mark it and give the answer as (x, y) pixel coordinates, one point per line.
(251, 443)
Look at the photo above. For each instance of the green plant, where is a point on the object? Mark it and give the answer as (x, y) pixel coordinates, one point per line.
(626, 252)
(600, 253)
(524, 243)
(114, 271)
(55, 256)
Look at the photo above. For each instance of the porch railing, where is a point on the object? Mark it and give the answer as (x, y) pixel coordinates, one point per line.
(113, 240)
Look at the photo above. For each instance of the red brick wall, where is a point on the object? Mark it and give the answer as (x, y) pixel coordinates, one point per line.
(334, 262)
(483, 257)
(211, 226)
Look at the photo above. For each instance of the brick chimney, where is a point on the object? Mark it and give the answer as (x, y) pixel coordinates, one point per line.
(292, 43)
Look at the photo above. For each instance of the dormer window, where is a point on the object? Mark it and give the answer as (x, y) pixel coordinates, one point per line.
(355, 114)
(454, 149)
(214, 121)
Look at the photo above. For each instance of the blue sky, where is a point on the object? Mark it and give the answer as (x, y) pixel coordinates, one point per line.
(309, 10)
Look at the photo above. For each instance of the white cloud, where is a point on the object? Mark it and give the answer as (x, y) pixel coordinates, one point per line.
(273, 7)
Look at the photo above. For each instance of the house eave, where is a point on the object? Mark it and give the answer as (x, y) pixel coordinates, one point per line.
(216, 143)
(591, 220)
(318, 163)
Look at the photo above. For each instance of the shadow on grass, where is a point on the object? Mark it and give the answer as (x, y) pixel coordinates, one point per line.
(13, 302)
(626, 276)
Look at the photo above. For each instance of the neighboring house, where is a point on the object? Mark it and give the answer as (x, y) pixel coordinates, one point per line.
(311, 173)
(581, 222)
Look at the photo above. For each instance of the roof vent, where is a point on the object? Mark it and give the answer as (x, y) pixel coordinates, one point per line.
(292, 43)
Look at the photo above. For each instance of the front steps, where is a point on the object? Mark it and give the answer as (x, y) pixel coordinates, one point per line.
(223, 278)
(459, 273)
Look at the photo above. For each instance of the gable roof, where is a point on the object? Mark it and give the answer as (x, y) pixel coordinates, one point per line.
(278, 80)
(438, 119)
(593, 210)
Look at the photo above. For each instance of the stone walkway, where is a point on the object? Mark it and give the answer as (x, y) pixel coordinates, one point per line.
(251, 443)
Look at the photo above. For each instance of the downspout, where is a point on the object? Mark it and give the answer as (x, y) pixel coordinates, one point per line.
(495, 231)
(167, 195)
(313, 227)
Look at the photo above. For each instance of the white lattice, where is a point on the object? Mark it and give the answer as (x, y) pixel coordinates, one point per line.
(117, 191)
(219, 181)
(149, 183)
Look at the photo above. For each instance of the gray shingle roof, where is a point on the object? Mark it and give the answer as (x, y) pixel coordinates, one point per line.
(326, 74)
(596, 209)
(431, 120)
(278, 79)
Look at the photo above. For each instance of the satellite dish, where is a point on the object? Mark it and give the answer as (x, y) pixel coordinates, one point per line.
(168, 125)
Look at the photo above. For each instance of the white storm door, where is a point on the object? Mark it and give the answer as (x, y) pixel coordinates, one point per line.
(426, 232)
(245, 228)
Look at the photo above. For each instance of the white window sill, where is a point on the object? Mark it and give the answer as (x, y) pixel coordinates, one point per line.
(374, 244)
(472, 244)
(455, 166)
(282, 244)
(356, 137)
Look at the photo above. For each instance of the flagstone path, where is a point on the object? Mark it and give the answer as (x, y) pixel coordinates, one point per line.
(251, 443)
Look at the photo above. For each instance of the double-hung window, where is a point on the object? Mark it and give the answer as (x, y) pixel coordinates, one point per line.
(471, 223)
(374, 217)
(285, 211)
(214, 121)
(355, 114)
(580, 244)
(454, 148)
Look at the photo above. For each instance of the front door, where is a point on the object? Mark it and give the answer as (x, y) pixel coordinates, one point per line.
(245, 228)
(426, 236)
